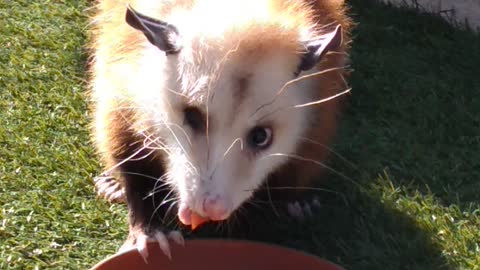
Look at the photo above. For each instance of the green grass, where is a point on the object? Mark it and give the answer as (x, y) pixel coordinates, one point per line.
(412, 129)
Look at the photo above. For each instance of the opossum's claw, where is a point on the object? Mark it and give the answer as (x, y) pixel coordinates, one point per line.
(162, 241)
(109, 188)
(302, 210)
(177, 237)
(139, 240)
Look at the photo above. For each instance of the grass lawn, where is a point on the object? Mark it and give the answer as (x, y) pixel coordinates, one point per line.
(412, 131)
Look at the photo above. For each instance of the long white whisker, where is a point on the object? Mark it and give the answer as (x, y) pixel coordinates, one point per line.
(170, 124)
(144, 156)
(270, 200)
(301, 78)
(233, 143)
(322, 100)
(164, 180)
(176, 92)
(310, 189)
(123, 161)
(331, 150)
(181, 146)
(305, 105)
(168, 211)
(164, 201)
(313, 161)
(159, 145)
(226, 152)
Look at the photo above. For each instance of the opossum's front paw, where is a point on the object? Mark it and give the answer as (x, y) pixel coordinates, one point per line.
(304, 209)
(109, 188)
(138, 239)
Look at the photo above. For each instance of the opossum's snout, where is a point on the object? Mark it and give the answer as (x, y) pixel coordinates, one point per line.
(213, 207)
(217, 196)
(216, 207)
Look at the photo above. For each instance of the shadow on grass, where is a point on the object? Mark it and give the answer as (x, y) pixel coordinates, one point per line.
(414, 110)
(359, 233)
(415, 106)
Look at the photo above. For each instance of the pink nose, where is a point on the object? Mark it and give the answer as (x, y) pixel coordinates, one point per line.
(215, 208)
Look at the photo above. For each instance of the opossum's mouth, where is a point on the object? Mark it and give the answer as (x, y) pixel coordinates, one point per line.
(194, 219)
(190, 218)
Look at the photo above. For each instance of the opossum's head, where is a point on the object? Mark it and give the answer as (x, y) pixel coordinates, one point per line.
(223, 122)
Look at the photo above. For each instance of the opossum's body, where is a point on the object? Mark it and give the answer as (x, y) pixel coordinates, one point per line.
(194, 100)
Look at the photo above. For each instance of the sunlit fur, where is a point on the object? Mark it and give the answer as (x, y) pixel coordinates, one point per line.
(136, 86)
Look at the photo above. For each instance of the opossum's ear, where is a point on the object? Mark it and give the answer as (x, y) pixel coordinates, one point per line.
(161, 34)
(317, 48)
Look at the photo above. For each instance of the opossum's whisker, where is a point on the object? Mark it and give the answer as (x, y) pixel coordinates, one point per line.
(181, 147)
(156, 147)
(220, 67)
(165, 179)
(322, 100)
(305, 104)
(270, 199)
(219, 226)
(225, 154)
(301, 78)
(164, 201)
(303, 188)
(231, 222)
(217, 74)
(176, 138)
(187, 165)
(157, 189)
(315, 162)
(311, 189)
(331, 150)
(254, 202)
(159, 145)
(168, 211)
(140, 174)
(145, 146)
(144, 156)
(183, 131)
(124, 108)
(176, 92)
(160, 148)
(241, 210)
(337, 53)
(224, 59)
(177, 126)
(165, 183)
(231, 145)
(124, 161)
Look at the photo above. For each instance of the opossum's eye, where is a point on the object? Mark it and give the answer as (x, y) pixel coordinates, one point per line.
(259, 138)
(194, 118)
(317, 48)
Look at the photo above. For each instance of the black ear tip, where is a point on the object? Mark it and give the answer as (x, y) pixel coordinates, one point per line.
(130, 16)
(159, 33)
(129, 9)
(317, 48)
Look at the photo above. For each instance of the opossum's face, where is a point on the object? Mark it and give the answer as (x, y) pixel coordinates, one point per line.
(224, 118)
(235, 130)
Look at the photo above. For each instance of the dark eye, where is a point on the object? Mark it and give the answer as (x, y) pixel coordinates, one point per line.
(259, 138)
(194, 118)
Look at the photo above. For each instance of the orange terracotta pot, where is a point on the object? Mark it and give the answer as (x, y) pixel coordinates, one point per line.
(217, 255)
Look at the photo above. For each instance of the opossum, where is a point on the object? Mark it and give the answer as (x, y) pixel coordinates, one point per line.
(197, 103)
